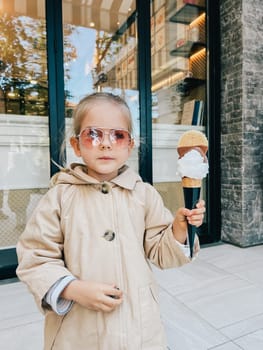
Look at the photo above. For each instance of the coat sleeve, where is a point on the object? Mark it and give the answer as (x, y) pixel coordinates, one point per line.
(160, 246)
(40, 248)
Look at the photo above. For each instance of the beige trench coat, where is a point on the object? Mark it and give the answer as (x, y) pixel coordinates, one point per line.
(106, 232)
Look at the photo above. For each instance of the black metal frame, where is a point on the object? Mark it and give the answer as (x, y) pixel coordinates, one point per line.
(8, 263)
(210, 231)
(144, 87)
(213, 124)
(56, 95)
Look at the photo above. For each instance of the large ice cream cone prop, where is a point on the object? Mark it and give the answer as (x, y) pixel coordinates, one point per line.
(191, 197)
(188, 182)
(193, 167)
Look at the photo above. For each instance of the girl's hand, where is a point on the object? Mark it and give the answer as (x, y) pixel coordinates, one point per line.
(194, 217)
(94, 296)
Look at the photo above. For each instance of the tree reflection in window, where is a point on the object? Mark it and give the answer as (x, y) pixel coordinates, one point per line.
(23, 64)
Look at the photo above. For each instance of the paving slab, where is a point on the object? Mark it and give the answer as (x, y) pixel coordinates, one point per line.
(213, 303)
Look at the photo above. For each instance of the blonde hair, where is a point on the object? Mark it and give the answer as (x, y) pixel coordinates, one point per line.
(80, 113)
(88, 101)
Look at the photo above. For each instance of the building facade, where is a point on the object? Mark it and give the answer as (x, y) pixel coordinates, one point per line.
(241, 61)
(180, 65)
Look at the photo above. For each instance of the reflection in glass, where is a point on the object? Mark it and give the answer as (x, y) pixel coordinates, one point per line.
(23, 68)
(105, 45)
(24, 140)
(178, 57)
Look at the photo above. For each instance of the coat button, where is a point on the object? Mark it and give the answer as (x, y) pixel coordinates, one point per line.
(105, 188)
(109, 235)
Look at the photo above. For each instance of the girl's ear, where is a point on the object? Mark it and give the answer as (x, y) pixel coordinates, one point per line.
(75, 145)
(131, 145)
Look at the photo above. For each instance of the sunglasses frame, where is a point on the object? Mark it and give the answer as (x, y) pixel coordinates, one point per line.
(105, 131)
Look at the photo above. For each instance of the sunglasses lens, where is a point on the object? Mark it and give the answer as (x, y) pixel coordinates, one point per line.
(120, 137)
(91, 137)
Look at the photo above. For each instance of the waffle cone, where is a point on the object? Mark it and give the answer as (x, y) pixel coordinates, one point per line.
(191, 183)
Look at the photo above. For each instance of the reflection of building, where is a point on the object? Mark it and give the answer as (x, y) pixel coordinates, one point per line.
(69, 107)
(25, 98)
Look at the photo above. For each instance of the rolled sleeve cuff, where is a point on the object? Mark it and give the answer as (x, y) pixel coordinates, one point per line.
(184, 248)
(59, 305)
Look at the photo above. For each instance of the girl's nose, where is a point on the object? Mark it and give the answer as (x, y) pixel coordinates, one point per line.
(106, 142)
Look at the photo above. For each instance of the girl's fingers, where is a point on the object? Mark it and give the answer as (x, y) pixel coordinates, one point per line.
(196, 216)
(110, 303)
(200, 204)
(196, 220)
(109, 306)
(114, 292)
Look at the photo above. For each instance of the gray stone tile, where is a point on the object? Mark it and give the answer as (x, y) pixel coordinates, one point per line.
(189, 277)
(184, 329)
(21, 323)
(227, 346)
(25, 337)
(244, 327)
(24, 319)
(15, 301)
(227, 308)
(11, 289)
(251, 271)
(175, 279)
(212, 289)
(253, 341)
(230, 307)
(227, 256)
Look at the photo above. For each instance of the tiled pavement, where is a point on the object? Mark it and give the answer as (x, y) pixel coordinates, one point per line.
(216, 302)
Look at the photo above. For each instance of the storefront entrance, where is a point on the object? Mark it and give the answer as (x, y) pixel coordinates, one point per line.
(152, 53)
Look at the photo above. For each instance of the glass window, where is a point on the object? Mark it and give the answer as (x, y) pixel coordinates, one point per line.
(101, 56)
(178, 56)
(24, 141)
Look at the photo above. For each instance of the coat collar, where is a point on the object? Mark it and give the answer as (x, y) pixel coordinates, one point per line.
(77, 174)
(127, 178)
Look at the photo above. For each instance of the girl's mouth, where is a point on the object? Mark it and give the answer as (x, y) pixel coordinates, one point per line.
(105, 158)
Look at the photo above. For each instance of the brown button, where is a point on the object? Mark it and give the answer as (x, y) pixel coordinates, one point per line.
(105, 188)
(109, 235)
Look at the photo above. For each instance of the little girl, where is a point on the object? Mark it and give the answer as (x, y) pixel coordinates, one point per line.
(85, 251)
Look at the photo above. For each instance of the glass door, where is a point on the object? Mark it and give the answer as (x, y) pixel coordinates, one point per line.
(24, 140)
(100, 54)
(178, 57)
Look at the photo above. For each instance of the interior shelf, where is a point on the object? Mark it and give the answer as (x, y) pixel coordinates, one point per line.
(188, 49)
(193, 82)
(188, 83)
(187, 13)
